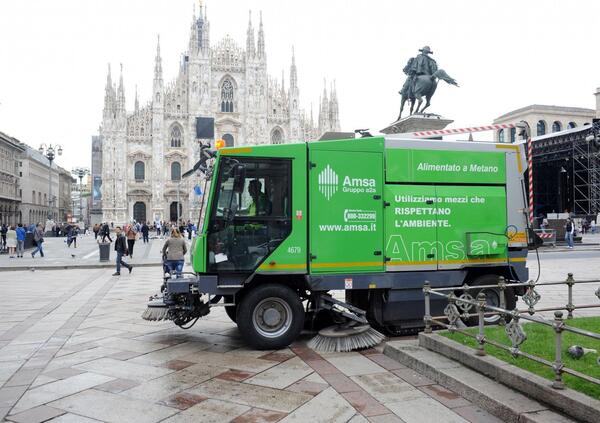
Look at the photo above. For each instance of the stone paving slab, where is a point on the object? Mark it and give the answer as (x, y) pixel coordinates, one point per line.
(328, 406)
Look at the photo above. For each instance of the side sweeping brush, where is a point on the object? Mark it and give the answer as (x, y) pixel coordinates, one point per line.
(342, 338)
(157, 310)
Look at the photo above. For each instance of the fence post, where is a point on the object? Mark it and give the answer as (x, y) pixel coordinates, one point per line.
(481, 302)
(558, 364)
(570, 307)
(502, 287)
(427, 316)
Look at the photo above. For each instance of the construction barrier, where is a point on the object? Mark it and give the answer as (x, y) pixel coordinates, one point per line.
(547, 235)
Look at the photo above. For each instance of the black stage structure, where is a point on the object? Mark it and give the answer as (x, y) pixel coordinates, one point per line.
(566, 171)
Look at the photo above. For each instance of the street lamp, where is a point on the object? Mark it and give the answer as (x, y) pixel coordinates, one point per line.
(49, 150)
(80, 172)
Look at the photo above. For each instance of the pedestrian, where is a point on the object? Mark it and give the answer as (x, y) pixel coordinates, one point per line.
(69, 236)
(165, 229)
(21, 234)
(106, 233)
(593, 227)
(38, 237)
(157, 225)
(569, 232)
(121, 249)
(3, 231)
(96, 229)
(131, 235)
(11, 241)
(175, 249)
(145, 230)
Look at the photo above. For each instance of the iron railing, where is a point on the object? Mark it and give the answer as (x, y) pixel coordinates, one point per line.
(514, 330)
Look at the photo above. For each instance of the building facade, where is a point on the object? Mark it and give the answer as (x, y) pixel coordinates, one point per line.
(543, 120)
(145, 152)
(10, 179)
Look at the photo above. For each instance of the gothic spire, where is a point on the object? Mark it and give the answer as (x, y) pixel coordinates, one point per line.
(137, 102)
(293, 71)
(261, 40)
(121, 91)
(250, 48)
(158, 62)
(193, 43)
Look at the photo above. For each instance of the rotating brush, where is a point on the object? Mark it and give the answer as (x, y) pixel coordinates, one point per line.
(156, 310)
(342, 338)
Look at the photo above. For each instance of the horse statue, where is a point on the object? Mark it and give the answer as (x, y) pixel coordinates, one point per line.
(423, 86)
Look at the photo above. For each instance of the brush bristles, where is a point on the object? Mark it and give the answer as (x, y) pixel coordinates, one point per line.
(156, 314)
(352, 342)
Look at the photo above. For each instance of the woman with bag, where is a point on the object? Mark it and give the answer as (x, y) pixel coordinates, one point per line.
(131, 237)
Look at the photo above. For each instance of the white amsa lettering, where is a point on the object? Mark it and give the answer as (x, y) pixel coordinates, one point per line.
(358, 185)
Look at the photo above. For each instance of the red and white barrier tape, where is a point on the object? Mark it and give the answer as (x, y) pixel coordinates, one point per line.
(530, 167)
(544, 236)
(464, 130)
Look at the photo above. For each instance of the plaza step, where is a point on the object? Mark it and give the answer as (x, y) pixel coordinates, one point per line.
(497, 399)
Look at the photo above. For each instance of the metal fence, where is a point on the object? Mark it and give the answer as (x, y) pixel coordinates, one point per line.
(459, 307)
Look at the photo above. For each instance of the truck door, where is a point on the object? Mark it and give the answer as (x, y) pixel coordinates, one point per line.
(346, 212)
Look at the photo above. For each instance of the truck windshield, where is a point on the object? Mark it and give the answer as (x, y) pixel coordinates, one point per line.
(245, 227)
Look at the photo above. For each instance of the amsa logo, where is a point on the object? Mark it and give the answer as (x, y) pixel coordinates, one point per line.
(328, 182)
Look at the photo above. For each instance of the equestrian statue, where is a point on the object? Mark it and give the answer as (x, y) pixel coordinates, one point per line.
(422, 79)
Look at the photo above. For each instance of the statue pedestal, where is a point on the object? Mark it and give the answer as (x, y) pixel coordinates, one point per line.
(414, 123)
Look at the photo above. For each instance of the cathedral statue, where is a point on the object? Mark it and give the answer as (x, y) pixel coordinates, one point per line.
(422, 78)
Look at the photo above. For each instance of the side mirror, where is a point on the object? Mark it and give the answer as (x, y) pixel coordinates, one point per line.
(239, 178)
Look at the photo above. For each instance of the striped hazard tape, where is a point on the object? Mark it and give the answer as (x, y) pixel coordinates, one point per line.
(545, 236)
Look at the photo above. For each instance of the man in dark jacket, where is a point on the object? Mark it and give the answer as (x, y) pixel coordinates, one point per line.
(121, 249)
(106, 233)
(145, 230)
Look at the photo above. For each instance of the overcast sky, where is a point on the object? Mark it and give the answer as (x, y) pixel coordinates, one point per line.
(504, 54)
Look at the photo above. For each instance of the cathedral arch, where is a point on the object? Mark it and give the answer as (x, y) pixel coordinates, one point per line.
(277, 135)
(139, 171)
(139, 211)
(228, 88)
(176, 135)
(175, 171)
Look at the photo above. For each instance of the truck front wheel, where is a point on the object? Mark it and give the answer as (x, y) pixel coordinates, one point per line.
(270, 316)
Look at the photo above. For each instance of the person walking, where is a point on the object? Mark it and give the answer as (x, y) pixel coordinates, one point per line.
(189, 229)
(3, 231)
(106, 233)
(21, 234)
(175, 249)
(157, 226)
(11, 241)
(96, 229)
(569, 232)
(38, 237)
(121, 249)
(131, 237)
(145, 231)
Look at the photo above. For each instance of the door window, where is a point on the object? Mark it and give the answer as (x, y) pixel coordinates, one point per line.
(245, 227)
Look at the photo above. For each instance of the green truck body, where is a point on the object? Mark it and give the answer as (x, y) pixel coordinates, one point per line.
(376, 217)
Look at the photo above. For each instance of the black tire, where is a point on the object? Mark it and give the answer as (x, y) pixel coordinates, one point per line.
(492, 297)
(231, 312)
(284, 321)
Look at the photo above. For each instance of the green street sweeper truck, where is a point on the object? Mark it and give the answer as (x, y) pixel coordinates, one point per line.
(285, 226)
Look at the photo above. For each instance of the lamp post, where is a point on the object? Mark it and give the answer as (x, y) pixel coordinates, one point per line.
(49, 151)
(80, 172)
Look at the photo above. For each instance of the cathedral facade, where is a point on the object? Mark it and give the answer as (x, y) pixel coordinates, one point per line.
(145, 152)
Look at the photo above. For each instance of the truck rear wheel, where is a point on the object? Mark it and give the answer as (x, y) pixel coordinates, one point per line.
(270, 316)
(492, 296)
(231, 312)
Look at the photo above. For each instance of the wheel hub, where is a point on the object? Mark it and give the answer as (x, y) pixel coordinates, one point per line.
(271, 317)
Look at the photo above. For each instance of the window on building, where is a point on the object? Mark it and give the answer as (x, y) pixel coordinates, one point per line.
(139, 171)
(176, 136)
(276, 136)
(500, 136)
(556, 126)
(571, 125)
(513, 134)
(175, 171)
(33, 197)
(227, 96)
(228, 138)
(40, 199)
(45, 198)
(541, 128)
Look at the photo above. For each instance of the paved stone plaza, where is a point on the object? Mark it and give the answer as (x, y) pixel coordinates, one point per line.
(73, 348)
